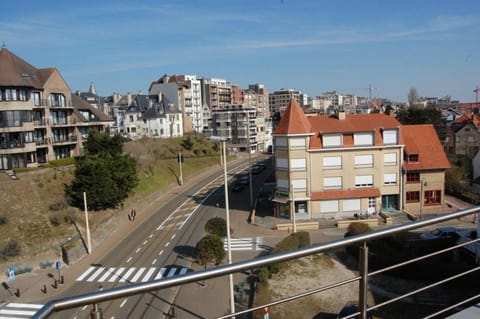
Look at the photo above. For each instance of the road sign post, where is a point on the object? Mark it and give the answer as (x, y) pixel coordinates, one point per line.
(11, 274)
(58, 265)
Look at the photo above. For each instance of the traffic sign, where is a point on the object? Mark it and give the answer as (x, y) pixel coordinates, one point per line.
(58, 265)
(11, 274)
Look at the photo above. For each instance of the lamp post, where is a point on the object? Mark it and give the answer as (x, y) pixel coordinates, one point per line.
(423, 183)
(292, 208)
(227, 218)
(87, 227)
(249, 165)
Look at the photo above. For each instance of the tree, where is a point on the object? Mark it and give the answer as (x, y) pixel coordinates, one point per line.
(209, 250)
(216, 226)
(424, 115)
(105, 173)
(412, 96)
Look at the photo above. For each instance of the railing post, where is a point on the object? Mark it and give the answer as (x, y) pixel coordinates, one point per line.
(363, 289)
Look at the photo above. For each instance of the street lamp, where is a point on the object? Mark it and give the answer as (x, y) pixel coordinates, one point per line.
(227, 213)
(249, 164)
(292, 208)
(422, 195)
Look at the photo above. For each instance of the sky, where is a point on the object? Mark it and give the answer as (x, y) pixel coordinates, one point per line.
(311, 46)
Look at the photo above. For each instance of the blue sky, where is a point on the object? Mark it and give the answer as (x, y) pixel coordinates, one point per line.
(312, 46)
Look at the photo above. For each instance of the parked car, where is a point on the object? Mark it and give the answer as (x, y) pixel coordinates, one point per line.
(238, 187)
(258, 168)
(441, 233)
(245, 180)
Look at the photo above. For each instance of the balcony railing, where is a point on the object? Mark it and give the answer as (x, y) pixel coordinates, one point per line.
(362, 278)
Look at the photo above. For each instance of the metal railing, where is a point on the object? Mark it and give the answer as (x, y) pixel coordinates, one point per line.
(94, 298)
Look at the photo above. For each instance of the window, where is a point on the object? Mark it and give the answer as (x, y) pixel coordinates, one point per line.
(332, 162)
(413, 177)
(390, 179)
(412, 158)
(432, 198)
(350, 205)
(363, 139)
(297, 143)
(413, 197)
(470, 139)
(298, 164)
(282, 184)
(389, 159)
(299, 185)
(329, 206)
(363, 160)
(281, 143)
(332, 182)
(364, 181)
(282, 163)
(390, 137)
(57, 99)
(332, 140)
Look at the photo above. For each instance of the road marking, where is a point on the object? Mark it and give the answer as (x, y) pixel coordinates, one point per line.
(14, 310)
(173, 236)
(85, 274)
(154, 261)
(123, 303)
(171, 272)
(149, 274)
(24, 305)
(166, 245)
(129, 259)
(183, 271)
(160, 273)
(145, 242)
(117, 274)
(138, 249)
(106, 275)
(95, 274)
(161, 252)
(138, 274)
(127, 274)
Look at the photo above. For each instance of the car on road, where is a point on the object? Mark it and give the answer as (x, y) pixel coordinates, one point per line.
(238, 187)
(258, 168)
(441, 233)
(244, 180)
(350, 308)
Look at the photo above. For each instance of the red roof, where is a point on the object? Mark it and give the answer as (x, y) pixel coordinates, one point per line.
(347, 193)
(293, 120)
(422, 139)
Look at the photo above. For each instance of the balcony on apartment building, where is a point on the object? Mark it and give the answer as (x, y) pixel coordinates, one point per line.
(62, 122)
(57, 104)
(56, 140)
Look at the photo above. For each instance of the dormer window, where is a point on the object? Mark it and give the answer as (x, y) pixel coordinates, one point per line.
(412, 158)
(363, 139)
(57, 99)
(332, 140)
(390, 137)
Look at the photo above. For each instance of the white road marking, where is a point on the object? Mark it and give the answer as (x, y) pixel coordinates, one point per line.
(160, 273)
(127, 274)
(106, 275)
(95, 274)
(117, 274)
(149, 274)
(138, 274)
(85, 274)
(129, 259)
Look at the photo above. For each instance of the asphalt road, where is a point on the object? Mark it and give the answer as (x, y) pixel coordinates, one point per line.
(161, 246)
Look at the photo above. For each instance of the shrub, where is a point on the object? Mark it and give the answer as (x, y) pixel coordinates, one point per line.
(357, 228)
(303, 238)
(263, 276)
(10, 248)
(56, 219)
(58, 205)
(216, 226)
(3, 219)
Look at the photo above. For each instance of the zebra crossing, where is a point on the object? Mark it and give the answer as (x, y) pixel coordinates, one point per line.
(15, 310)
(130, 275)
(245, 243)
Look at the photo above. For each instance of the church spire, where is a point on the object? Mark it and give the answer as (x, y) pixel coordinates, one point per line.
(91, 90)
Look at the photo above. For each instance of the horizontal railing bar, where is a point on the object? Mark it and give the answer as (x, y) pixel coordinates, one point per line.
(410, 261)
(134, 289)
(452, 307)
(425, 288)
(297, 296)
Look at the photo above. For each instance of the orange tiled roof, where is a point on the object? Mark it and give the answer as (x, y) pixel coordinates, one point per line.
(293, 120)
(347, 193)
(423, 140)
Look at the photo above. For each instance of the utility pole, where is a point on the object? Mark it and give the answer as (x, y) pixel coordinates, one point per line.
(249, 165)
(180, 160)
(292, 208)
(87, 227)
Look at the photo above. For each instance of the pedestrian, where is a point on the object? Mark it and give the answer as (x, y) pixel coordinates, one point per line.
(133, 213)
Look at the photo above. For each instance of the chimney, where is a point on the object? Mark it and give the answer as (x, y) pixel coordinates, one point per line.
(129, 98)
(341, 114)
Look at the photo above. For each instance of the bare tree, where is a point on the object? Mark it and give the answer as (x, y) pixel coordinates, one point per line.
(412, 96)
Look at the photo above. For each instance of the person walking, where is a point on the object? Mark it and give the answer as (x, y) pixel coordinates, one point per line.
(133, 214)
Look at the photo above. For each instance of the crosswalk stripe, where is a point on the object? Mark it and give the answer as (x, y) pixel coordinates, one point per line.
(160, 273)
(138, 274)
(183, 271)
(86, 273)
(24, 305)
(172, 272)
(95, 274)
(148, 274)
(117, 274)
(106, 275)
(17, 312)
(127, 274)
